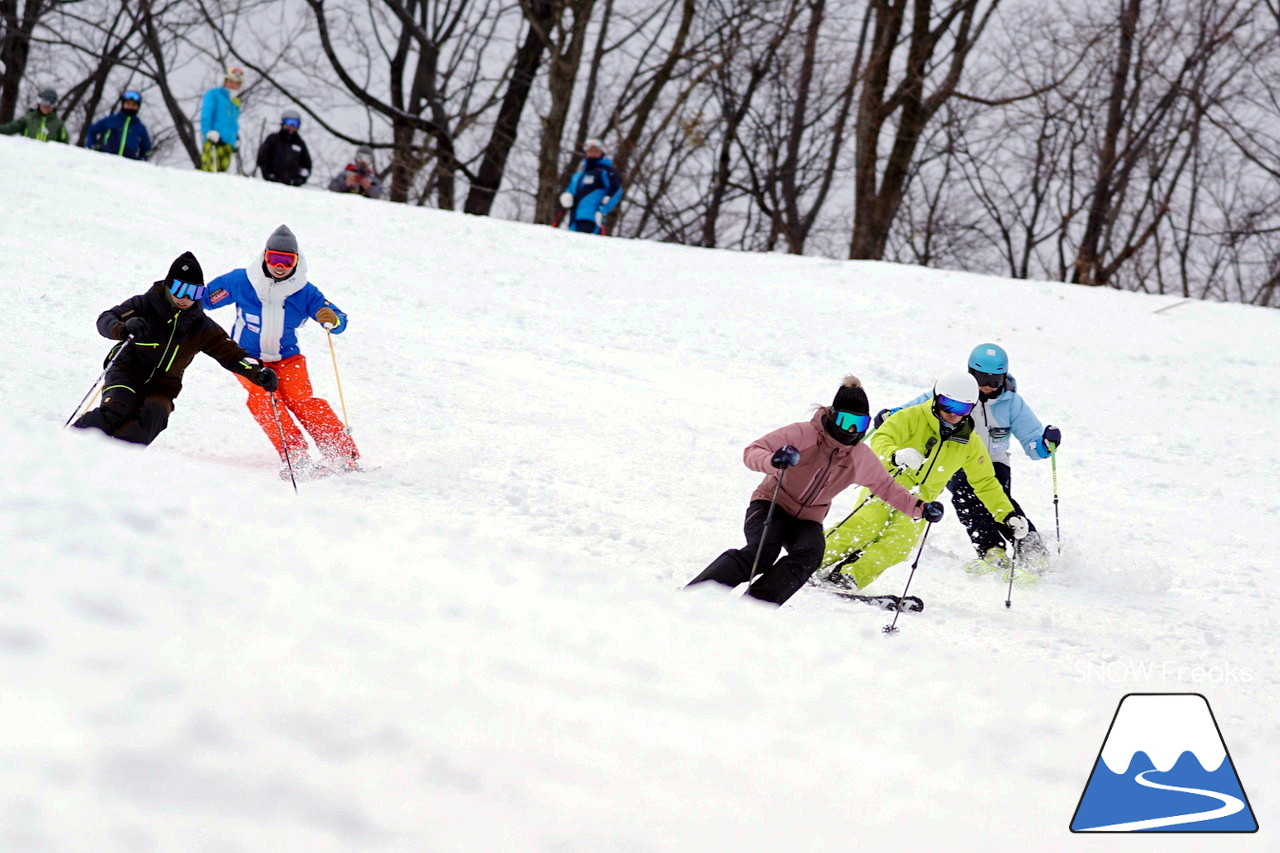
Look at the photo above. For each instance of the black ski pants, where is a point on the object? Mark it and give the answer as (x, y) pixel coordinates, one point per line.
(779, 579)
(984, 531)
(129, 410)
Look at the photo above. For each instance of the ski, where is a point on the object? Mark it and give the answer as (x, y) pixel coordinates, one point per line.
(910, 604)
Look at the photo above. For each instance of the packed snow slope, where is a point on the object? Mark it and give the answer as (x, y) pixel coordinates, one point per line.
(482, 644)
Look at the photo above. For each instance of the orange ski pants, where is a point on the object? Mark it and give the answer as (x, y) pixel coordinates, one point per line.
(294, 400)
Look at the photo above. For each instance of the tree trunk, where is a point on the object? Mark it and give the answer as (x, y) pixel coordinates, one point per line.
(488, 179)
(1087, 261)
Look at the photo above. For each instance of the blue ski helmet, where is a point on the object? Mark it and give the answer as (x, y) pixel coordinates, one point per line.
(989, 358)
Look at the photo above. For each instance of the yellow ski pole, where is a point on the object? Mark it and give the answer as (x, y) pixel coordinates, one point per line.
(346, 422)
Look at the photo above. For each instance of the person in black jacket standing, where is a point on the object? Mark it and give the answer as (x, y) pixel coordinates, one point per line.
(283, 156)
(161, 331)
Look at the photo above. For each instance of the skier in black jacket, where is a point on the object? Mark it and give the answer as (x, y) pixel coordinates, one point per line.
(162, 330)
(283, 156)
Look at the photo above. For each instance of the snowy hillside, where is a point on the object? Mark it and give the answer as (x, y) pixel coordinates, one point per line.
(482, 644)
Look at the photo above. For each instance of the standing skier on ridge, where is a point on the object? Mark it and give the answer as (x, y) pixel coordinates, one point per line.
(273, 298)
(593, 191)
(924, 446)
(808, 463)
(1000, 411)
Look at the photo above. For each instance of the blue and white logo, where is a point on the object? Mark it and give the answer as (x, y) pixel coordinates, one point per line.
(1164, 767)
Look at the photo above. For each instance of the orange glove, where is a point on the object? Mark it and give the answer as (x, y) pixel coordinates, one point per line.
(326, 315)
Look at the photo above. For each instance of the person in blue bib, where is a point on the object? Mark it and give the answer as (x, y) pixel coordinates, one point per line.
(122, 133)
(593, 192)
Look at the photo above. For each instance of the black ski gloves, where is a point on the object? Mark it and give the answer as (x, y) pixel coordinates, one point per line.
(785, 456)
(266, 378)
(1053, 435)
(932, 512)
(136, 326)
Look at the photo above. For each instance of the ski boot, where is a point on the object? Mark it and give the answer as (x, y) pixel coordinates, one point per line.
(993, 560)
(837, 578)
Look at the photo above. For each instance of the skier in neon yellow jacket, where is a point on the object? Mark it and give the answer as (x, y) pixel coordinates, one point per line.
(923, 446)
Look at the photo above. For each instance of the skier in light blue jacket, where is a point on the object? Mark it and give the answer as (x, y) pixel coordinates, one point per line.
(1001, 412)
(220, 122)
(593, 191)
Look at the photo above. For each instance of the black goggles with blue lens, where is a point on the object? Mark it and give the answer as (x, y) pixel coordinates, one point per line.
(131, 95)
(186, 290)
(851, 421)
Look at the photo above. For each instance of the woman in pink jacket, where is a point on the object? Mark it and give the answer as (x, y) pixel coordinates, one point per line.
(815, 461)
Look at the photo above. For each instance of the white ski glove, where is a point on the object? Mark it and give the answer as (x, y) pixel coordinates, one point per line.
(600, 219)
(213, 136)
(566, 199)
(908, 457)
(1019, 524)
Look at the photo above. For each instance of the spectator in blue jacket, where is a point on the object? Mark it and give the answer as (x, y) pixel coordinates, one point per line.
(220, 122)
(121, 133)
(593, 192)
(1001, 411)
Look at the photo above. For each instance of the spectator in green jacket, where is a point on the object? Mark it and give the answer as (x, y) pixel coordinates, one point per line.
(41, 122)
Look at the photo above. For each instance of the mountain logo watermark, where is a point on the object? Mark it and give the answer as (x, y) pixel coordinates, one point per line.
(1163, 767)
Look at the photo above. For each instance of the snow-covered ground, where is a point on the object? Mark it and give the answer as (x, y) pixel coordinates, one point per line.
(483, 645)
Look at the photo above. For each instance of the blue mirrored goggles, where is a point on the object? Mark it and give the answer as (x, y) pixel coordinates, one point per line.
(291, 122)
(186, 290)
(954, 407)
(132, 96)
(851, 421)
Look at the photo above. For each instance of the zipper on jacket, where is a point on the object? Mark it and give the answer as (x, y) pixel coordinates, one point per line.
(172, 332)
(818, 479)
(124, 135)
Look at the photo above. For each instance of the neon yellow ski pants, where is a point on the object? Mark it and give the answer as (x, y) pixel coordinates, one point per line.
(883, 535)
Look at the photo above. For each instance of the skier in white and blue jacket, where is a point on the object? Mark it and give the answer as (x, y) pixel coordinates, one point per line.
(593, 191)
(1000, 412)
(273, 298)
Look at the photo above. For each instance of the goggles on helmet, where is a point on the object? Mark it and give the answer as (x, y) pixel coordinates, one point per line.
(291, 122)
(280, 259)
(236, 74)
(186, 290)
(954, 407)
(987, 380)
(851, 421)
(132, 95)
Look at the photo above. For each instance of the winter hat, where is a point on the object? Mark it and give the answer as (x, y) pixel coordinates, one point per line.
(282, 240)
(364, 154)
(186, 268)
(48, 96)
(851, 398)
(291, 115)
(234, 73)
(593, 143)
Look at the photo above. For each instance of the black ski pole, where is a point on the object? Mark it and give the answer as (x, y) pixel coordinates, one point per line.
(283, 443)
(1057, 524)
(764, 534)
(892, 628)
(97, 381)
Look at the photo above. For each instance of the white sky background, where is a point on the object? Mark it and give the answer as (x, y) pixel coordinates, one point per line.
(483, 645)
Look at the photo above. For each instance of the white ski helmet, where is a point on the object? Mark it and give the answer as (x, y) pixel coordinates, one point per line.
(957, 385)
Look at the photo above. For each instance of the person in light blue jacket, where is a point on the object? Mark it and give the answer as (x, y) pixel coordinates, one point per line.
(273, 298)
(1001, 412)
(122, 133)
(593, 191)
(220, 122)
